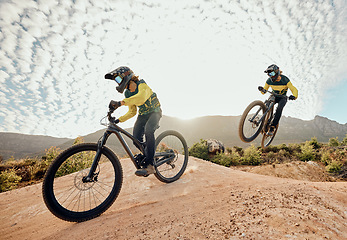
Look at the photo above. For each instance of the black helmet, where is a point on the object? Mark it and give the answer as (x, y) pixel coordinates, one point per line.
(273, 71)
(122, 76)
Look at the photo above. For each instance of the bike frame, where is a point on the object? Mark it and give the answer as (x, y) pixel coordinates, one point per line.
(114, 128)
(269, 107)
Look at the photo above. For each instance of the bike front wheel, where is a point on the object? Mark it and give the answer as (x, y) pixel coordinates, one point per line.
(65, 190)
(251, 121)
(171, 157)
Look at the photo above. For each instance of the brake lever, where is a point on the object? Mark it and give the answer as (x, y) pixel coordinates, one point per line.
(110, 118)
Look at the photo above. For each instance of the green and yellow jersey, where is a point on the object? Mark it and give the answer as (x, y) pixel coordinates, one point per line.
(281, 85)
(143, 98)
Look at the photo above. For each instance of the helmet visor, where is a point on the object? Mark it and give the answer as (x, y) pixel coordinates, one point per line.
(118, 79)
(271, 74)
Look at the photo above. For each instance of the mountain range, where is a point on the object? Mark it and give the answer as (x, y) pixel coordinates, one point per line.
(222, 128)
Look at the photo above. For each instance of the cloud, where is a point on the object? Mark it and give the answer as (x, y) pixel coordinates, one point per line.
(202, 58)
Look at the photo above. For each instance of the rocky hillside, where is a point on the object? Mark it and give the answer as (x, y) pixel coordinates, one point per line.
(222, 128)
(22, 145)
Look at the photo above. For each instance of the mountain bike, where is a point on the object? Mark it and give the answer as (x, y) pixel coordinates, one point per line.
(85, 179)
(257, 119)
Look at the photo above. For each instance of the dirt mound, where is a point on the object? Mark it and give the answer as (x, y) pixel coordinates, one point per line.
(307, 171)
(208, 202)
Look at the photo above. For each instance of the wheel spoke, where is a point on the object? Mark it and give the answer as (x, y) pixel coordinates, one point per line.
(251, 121)
(64, 179)
(172, 144)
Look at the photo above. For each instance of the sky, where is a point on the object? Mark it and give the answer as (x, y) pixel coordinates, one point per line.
(200, 57)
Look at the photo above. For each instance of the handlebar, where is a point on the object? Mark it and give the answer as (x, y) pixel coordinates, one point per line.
(277, 95)
(109, 116)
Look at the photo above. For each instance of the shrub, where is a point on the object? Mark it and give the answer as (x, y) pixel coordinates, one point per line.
(78, 140)
(314, 143)
(334, 142)
(284, 147)
(344, 141)
(8, 180)
(271, 149)
(227, 160)
(199, 150)
(334, 167)
(238, 150)
(307, 153)
(76, 163)
(251, 156)
(283, 153)
(294, 148)
(51, 154)
(270, 157)
(325, 157)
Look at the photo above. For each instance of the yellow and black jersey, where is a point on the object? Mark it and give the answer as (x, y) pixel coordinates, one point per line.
(143, 98)
(281, 85)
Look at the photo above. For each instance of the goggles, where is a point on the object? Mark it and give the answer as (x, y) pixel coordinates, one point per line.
(118, 79)
(271, 74)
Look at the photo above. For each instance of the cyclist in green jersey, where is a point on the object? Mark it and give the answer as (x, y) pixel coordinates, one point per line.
(279, 84)
(138, 95)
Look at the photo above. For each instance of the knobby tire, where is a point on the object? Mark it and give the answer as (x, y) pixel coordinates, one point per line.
(244, 121)
(172, 170)
(71, 199)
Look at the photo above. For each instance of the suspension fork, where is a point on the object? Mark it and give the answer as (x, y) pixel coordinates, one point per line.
(101, 143)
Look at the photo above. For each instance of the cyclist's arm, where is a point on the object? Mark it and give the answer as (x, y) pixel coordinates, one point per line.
(141, 97)
(132, 112)
(266, 87)
(293, 89)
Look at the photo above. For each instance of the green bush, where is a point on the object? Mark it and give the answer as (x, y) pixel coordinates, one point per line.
(294, 148)
(51, 154)
(227, 160)
(344, 141)
(314, 142)
(334, 142)
(9, 180)
(251, 156)
(325, 157)
(238, 150)
(270, 157)
(78, 140)
(334, 167)
(75, 163)
(199, 150)
(307, 153)
(271, 148)
(283, 153)
(284, 148)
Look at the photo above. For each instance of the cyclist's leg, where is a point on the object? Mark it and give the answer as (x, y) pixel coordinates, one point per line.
(281, 103)
(139, 127)
(150, 127)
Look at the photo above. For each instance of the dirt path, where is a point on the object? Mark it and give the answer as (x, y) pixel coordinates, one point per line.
(208, 202)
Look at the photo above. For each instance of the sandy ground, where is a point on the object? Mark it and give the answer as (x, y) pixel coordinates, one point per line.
(208, 202)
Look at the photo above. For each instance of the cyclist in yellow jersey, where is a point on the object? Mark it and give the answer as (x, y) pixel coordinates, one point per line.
(138, 95)
(279, 84)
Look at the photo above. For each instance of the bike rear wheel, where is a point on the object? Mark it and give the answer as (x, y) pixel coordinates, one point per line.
(170, 168)
(65, 191)
(250, 123)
